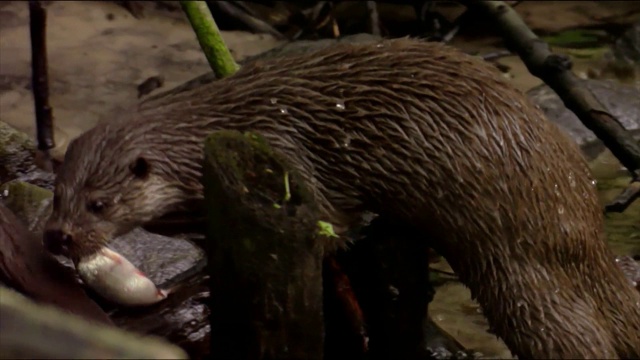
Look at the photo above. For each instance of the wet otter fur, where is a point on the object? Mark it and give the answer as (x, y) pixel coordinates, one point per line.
(411, 130)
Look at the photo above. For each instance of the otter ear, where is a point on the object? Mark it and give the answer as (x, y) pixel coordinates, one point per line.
(140, 167)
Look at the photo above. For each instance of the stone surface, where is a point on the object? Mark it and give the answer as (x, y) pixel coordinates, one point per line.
(623, 101)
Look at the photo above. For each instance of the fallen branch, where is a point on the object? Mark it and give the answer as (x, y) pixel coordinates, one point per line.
(555, 71)
(211, 42)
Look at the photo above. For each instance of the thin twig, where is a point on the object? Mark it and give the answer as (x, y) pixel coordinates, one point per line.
(255, 24)
(555, 71)
(450, 34)
(40, 80)
(317, 9)
(209, 37)
(630, 194)
(494, 55)
(374, 18)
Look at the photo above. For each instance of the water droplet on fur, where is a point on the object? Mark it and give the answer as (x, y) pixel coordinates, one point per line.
(572, 180)
(274, 256)
(561, 210)
(585, 195)
(284, 110)
(5, 193)
(394, 291)
(556, 189)
(520, 303)
(380, 45)
(340, 105)
(273, 101)
(542, 329)
(346, 142)
(594, 182)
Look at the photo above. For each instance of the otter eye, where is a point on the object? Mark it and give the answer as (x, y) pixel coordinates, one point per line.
(96, 206)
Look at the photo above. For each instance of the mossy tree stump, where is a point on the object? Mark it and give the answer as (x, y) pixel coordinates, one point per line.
(265, 253)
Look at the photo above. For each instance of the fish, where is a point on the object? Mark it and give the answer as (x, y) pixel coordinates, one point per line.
(116, 279)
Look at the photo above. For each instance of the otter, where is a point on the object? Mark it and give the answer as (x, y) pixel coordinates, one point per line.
(407, 129)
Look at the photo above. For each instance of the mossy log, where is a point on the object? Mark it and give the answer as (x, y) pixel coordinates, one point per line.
(29, 330)
(265, 253)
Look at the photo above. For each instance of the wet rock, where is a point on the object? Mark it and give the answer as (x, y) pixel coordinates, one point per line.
(631, 269)
(295, 47)
(17, 159)
(627, 47)
(162, 258)
(621, 100)
(306, 46)
(30, 330)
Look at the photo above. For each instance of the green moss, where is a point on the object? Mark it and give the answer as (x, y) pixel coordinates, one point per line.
(27, 201)
(326, 229)
(11, 139)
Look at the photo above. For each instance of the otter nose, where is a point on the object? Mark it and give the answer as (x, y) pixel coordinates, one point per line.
(57, 242)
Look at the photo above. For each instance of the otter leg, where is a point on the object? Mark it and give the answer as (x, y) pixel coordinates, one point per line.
(538, 311)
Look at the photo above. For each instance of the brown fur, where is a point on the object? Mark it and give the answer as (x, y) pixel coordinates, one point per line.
(411, 130)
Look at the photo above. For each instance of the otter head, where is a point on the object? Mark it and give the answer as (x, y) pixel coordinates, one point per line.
(111, 181)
